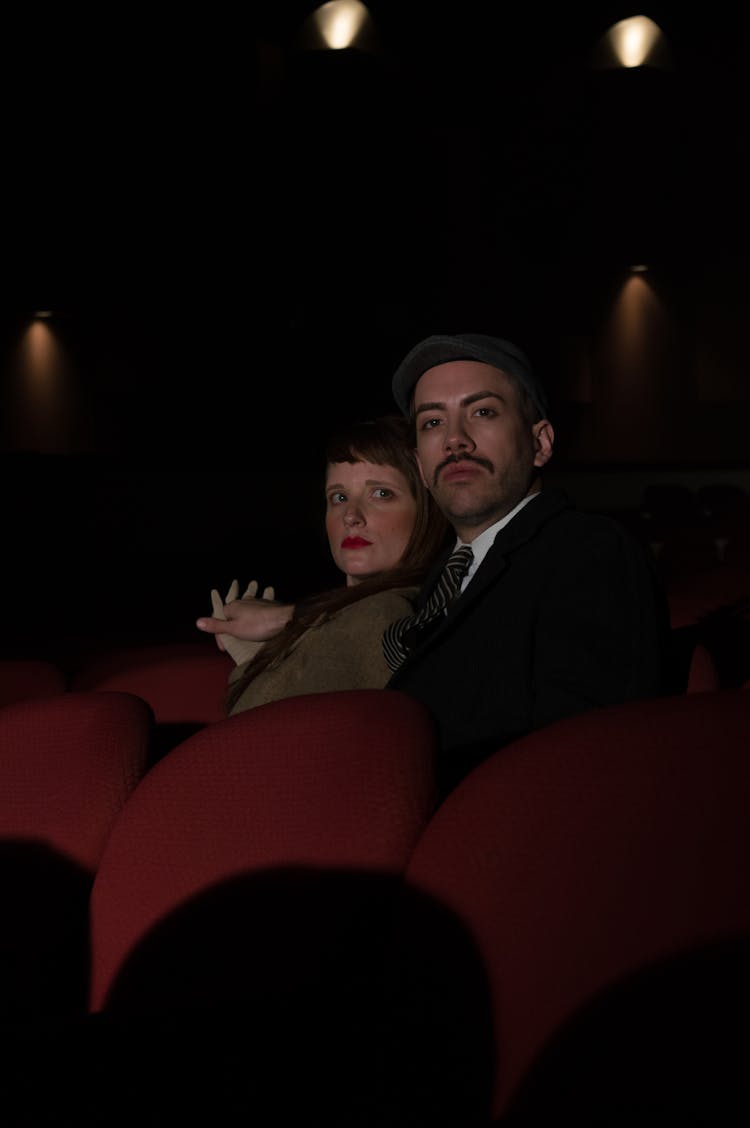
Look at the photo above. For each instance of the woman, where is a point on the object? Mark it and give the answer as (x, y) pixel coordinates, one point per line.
(384, 532)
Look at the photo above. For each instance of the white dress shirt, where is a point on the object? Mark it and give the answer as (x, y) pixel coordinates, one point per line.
(481, 545)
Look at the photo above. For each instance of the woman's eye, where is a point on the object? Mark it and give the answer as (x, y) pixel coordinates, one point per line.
(429, 424)
(383, 491)
(336, 498)
(485, 412)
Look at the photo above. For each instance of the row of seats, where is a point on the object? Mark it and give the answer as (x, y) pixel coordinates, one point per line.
(185, 683)
(694, 528)
(276, 924)
(709, 612)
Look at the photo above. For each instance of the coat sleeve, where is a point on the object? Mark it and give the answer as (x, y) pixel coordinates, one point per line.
(343, 652)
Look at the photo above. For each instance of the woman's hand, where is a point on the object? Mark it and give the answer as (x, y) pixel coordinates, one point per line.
(241, 626)
(240, 650)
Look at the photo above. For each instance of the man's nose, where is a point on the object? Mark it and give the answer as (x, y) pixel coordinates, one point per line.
(457, 437)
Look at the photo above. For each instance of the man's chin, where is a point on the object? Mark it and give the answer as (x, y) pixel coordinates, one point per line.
(464, 509)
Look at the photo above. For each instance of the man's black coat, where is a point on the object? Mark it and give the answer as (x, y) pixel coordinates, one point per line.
(565, 613)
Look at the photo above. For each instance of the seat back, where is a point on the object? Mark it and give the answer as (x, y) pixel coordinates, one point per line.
(300, 788)
(183, 682)
(239, 911)
(607, 849)
(703, 673)
(24, 679)
(67, 766)
(698, 597)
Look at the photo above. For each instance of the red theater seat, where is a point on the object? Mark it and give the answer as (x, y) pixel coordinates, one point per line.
(183, 682)
(24, 679)
(67, 766)
(241, 907)
(591, 962)
(326, 781)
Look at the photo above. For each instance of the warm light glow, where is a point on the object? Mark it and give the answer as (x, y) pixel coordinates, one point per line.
(631, 378)
(634, 39)
(633, 313)
(42, 405)
(340, 22)
(39, 350)
(634, 42)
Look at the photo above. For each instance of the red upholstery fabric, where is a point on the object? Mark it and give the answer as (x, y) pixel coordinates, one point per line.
(703, 673)
(693, 596)
(22, 679)
(339, 781)
(183, 682)
(67, 765)
(575, 858)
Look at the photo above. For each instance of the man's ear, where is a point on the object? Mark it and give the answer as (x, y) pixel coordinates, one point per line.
(544, 440)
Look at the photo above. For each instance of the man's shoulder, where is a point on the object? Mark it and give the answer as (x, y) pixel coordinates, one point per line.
(591, 523)
(557, 510)
(553, 524)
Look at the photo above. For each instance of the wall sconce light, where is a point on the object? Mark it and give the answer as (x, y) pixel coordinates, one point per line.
(337, 26)
(634, 42)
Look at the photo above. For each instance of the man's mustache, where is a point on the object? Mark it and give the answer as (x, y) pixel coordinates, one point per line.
(461, 458)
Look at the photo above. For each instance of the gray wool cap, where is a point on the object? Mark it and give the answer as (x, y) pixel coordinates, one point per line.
(466, 346)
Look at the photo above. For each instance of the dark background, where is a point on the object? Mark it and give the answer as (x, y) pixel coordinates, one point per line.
(239, 239)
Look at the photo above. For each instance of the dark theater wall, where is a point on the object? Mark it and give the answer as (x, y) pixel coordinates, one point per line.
(238, 239)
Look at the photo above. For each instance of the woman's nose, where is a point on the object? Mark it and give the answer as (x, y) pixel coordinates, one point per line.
(353, 516)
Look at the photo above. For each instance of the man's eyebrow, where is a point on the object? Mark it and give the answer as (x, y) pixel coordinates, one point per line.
(481, 395)
(430, 407)
(465, 402)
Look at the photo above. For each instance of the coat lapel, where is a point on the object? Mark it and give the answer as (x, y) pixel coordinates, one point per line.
(516, 533)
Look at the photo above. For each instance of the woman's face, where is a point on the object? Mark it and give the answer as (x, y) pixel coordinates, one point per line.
(370, 514)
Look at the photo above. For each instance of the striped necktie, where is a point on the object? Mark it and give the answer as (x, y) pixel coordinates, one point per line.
(395, 645)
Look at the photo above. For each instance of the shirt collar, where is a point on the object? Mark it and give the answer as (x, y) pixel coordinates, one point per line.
(481, 545)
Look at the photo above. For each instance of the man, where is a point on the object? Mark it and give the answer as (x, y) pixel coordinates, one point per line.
(560, 610)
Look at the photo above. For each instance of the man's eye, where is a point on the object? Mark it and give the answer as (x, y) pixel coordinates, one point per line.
(486, 411)
(430, 423)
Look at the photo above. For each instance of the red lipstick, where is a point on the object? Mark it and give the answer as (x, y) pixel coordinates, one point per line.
(355, 542)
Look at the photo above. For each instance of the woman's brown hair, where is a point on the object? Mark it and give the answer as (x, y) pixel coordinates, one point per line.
(386, 441)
